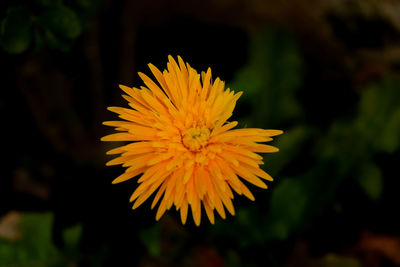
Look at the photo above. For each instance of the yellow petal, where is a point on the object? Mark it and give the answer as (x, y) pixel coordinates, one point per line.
(184, 210)
(209, 210)
(128, 175)
(160, 191)
(119, 137)
(248, 176)
(196, 210)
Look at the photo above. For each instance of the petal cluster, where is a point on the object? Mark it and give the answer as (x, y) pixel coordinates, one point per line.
(182, 145)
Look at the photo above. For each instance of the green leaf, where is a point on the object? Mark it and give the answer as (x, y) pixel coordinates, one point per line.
(36, 247)
(271, 78)
(378, 120)
(55, 42)
(72, 236)
(15, 32)
(287, 207)
(389, 141)
(150, 237)
(247, 227)
(62, 21)
(290, 146)
(371, 181)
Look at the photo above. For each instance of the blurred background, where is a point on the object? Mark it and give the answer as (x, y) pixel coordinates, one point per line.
(325, 72)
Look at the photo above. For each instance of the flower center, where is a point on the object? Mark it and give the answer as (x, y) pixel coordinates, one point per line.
(195, 138)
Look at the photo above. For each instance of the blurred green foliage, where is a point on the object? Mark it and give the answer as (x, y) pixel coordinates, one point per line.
(36, 247)
(150, 237)
(54, 24)
(332, 260)
(271, 80)
(378, 117)
(16, 30)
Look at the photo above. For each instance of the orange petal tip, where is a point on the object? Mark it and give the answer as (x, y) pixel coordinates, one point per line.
(274, 132)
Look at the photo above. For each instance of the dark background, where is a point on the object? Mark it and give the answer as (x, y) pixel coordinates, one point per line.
(325, 72)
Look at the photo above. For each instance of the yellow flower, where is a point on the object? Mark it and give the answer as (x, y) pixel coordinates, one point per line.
(183, 145)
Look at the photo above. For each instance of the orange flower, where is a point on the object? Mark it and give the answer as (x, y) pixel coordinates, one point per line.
(183, 145)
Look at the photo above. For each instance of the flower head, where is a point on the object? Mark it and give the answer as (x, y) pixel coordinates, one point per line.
(183, 145)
